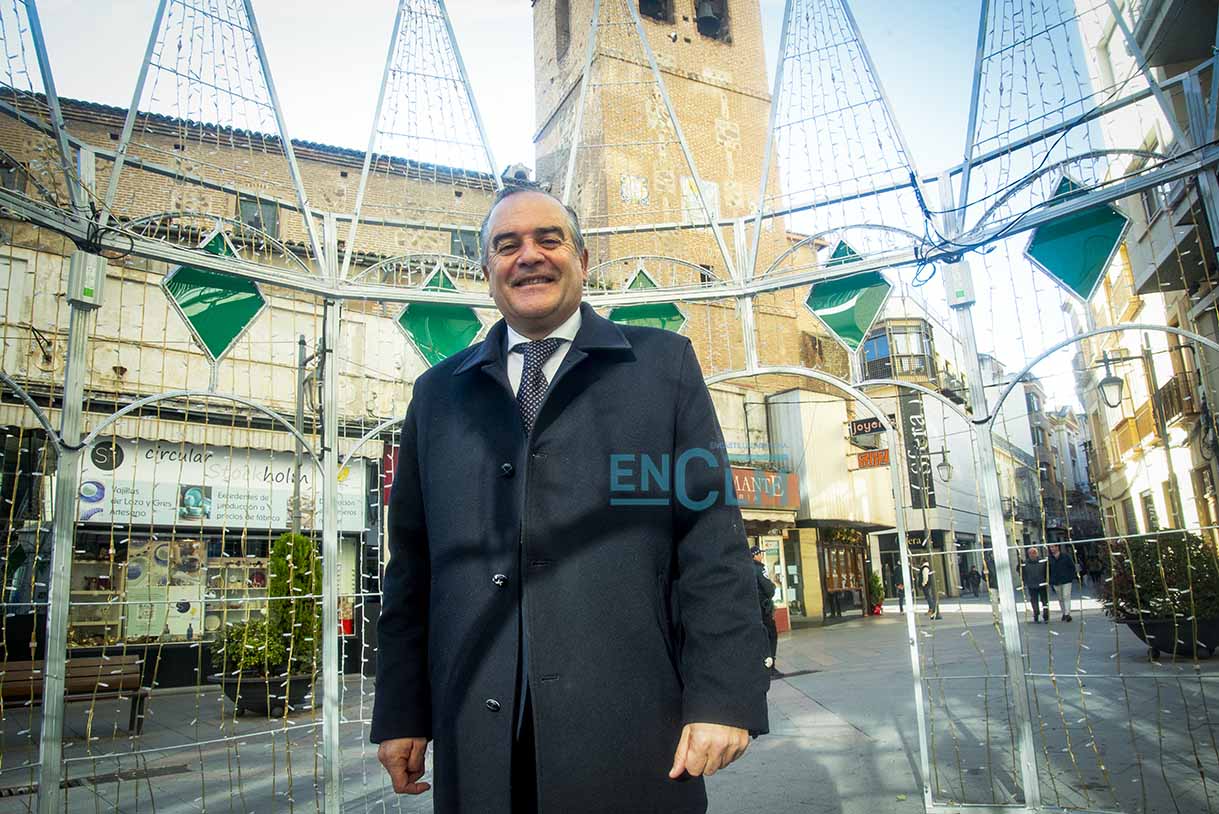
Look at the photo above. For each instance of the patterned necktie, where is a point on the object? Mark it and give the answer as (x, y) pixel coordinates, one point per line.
(533, 380)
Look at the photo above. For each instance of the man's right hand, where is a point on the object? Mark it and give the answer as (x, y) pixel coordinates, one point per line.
(403, 759)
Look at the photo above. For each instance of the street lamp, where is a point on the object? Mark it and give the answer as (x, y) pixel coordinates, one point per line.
(1110, 387)
(943, 468)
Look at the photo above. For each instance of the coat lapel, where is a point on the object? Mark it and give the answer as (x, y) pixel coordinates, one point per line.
(596, 335)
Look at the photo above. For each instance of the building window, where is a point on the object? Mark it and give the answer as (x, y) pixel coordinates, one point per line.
(1149, 510)
(712, 19)
(1033, 402)
(562, 27)
(464, 243)
(1039, 436)
(876, 360)
(12, 176)
(259, 214)
(659, 10)
(1129, 518)
(1155, 201)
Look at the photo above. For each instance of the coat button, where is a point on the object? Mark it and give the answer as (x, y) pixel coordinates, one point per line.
(500, 579)
(492, 705)
(506, 470)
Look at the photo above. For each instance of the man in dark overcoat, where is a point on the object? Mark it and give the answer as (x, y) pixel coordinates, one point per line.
(569, 610)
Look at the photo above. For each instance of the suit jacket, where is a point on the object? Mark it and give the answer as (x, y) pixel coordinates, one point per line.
(639, 616)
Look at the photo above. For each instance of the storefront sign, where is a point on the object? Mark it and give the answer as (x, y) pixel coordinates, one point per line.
(764, 489)
(918, 450)
(167, 483)
(872, 459)
(866, 426)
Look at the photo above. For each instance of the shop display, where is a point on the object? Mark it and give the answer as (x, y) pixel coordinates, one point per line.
(95, 615)
(236, 590)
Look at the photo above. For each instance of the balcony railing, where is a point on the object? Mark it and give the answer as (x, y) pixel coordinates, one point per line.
(1177, 399)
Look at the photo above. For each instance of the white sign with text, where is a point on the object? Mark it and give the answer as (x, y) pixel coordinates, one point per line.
(167, 483)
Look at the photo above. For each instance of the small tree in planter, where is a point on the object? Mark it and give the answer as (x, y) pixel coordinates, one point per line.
(1165, 588)
(876, 593)
(267, 664)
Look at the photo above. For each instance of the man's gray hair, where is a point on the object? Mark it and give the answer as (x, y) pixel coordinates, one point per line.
(573, 220)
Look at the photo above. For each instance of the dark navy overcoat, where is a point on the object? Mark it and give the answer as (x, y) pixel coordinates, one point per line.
(638, 600)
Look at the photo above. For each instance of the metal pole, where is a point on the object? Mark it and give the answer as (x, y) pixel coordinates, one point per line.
(395, 34)
(285, 141)
(120, 154)
(63, 525)
(76, 191)
(465, 81)
(332, 664)
(1153, 397)
(300, 425)
(752, 268)
(586, 79)
(971, 124)
(988, 476)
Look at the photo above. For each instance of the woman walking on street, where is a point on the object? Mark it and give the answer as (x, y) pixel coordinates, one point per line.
(1062, 577)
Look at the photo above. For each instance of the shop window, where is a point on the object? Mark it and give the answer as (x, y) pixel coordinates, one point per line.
(659, 10)
(259, 214)
(712, 19)
(562, 27)
(464, 243)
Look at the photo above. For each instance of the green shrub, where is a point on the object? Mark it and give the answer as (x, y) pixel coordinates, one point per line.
(289, 637)
(1161, 575)
(876, 589)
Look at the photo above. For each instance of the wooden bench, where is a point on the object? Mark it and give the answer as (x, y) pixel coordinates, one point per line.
(87, 679)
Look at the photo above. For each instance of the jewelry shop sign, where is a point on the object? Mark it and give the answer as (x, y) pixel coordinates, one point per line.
(169, 483)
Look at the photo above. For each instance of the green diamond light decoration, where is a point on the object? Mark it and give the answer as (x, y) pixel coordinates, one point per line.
(663, 315)
(848, 305)
(842, 254)
(218, 307)
(436, 329)
(1076, 249)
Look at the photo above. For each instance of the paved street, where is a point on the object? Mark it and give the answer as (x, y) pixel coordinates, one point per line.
(843, 732)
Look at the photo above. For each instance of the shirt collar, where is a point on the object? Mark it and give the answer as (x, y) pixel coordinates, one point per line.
(567, 331)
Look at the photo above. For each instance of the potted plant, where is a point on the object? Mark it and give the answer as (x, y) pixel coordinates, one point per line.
(1165, 588)
(267, 664)
(876, 593)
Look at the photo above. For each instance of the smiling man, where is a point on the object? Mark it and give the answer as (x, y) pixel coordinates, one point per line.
(562, 651)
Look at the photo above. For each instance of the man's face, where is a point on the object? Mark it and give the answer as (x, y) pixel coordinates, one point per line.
(1053, 551)
(534, 271)
(1033, 553)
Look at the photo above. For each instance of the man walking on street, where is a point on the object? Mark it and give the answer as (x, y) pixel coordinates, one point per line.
(568, 637)
(1034, 575)
(766, 602)
(927, 582)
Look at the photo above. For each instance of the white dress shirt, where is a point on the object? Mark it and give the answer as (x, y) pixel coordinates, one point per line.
(516, 361)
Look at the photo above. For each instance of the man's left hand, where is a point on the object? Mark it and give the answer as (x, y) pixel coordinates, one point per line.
(704, 749)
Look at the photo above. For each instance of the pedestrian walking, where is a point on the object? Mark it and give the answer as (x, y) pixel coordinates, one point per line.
(927, 583)
(766, 603)
(1034, 574)
(1095, 571)
(563, 651)
(975, 580)
(1062, 578)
